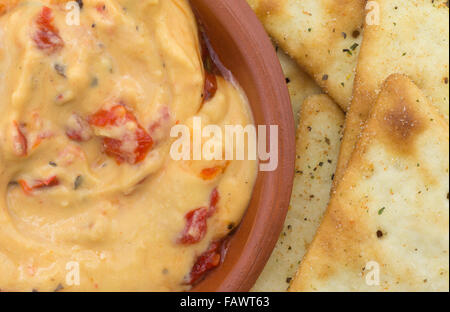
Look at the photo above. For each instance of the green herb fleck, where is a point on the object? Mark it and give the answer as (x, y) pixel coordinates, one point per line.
(354, 46)
(78, 182)
(347, 51)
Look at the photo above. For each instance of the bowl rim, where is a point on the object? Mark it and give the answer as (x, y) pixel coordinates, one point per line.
(258, 53)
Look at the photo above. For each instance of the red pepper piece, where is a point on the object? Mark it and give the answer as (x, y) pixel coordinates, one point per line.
(196, 221)
(117, 116)
(20, 141)
(39, 184)
(196, 227)
(210, 87)
(47, 36)
(210, 173)
(214, 200)
(52, 181)
(78, 129)
(207, 261)
(74, 135)
(25, 187)
(211, 68)
(145, 143)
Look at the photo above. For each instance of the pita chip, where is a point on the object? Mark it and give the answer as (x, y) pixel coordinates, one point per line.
(318, 140)
(387, 225)
(323, 36)
(300, 85)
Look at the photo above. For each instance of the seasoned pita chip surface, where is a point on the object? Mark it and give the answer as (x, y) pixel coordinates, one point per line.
(391, 210)
(318, 140)
(323, 36)
(413, 39)
(300, 85)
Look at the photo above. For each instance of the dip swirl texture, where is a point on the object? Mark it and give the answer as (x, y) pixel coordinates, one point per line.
(86, 176)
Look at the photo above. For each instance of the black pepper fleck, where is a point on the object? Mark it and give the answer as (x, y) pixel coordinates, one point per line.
(60, 69)
(80, 3)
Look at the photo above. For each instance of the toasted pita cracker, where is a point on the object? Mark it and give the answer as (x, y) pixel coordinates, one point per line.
(318, 140)
(387, 225)
(300, 85)
(412, 39)
(323, 36)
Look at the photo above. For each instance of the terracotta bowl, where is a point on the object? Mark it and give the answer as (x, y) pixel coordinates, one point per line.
(244, 47)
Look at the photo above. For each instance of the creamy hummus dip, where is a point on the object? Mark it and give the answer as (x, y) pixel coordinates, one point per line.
(87, 182)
